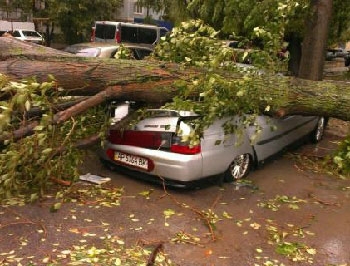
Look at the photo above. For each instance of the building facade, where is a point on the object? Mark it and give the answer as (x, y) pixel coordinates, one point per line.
(131, 12)
(11, 12)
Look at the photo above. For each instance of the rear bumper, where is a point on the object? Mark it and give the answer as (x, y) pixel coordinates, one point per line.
(158, 180)
(170, 166)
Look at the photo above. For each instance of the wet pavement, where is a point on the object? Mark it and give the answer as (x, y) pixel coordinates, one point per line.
(285, 214)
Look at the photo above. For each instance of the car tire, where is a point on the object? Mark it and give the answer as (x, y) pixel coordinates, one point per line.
(347, 61)
(239, 168)
(318, 132)
(108, 164)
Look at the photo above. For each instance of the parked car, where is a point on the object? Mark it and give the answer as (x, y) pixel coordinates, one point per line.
(333, 53)
(347, 59)
(28, 36)
(107, 50)
(330, 54)
(120, 32)
(155, 146)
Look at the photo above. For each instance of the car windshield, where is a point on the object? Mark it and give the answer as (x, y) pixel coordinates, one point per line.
(161, 113)
(31, 34)
(186, 122)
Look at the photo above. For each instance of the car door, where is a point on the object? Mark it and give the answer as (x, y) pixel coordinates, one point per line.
(220, 148)
(271, 135)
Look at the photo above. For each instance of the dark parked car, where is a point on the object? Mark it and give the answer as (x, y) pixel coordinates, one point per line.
(333, 53)
(347, 59)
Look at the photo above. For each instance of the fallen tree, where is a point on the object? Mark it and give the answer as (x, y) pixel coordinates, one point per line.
(153, 81)
(49, 152)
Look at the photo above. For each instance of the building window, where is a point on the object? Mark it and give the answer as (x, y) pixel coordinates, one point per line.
(39, 4)
(137, 8)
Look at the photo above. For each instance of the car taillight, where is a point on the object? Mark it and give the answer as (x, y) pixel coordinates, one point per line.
(110, 154)
(93, 34)
(118, 36)
(185, 149)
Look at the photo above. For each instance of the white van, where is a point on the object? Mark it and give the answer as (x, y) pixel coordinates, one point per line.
(117, 32)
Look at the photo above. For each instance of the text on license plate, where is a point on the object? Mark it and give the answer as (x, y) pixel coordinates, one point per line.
(131, 160)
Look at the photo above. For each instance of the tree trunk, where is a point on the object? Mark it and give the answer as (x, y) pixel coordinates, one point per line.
(152, 82)
(49, 32)
(315, 40)
(294, 49)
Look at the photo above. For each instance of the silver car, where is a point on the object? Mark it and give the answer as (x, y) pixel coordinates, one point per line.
(155, 147)
(107, 50)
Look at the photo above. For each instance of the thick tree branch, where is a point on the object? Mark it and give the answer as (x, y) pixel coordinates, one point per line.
(153, 82)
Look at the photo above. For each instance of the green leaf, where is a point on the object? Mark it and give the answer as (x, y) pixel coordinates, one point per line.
(168, 213)
(33, 197)
(240, 93)
(56, 207)
(47, 151)
(27, 105)
(39, 128)
(287, 248)
(226, 215)
(311, 251)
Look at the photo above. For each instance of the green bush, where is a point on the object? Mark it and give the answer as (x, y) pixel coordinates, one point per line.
(29, 163)
(342, 156)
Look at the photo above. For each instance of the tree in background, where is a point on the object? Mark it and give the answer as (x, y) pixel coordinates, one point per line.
(12, 6)
(340, 24)
(269, 23)
(176, 11)
(155, 5)
(315, 40)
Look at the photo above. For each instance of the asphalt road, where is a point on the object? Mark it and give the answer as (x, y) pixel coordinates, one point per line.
(285, 213)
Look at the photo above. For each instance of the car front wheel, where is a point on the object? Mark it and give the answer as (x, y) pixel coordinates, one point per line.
(238, 168)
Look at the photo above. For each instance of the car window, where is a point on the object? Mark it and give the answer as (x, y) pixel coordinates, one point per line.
(146, 35)
(105, 31)
(163, 32)
(185, 129)
(31, 34)
(16, 34)
(161, 113)
(129, 34)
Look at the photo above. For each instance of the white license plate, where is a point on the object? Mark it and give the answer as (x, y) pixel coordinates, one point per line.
(131, 160)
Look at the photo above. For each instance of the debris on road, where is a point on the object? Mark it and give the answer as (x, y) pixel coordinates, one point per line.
(94, 179)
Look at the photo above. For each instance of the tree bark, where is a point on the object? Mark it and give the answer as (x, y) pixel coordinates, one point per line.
(88, 76)
(315, 40)
(153, 82)
(294, 49)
